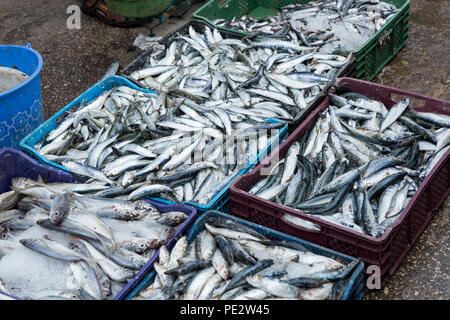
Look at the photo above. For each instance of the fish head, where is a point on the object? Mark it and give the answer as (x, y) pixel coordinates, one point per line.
(105, 286)
(179, 217)
(70, 294)
(138, 261)
(56, 216)
(3, 230)
(143, 245)
(21, 183)
(166, 232)
(143, 207)
(27, 242)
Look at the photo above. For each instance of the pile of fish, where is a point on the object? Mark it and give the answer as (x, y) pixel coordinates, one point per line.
(230, 261)
(360, 164)
(331, 25)
(59, 242)
(258, 79)
(140, 146)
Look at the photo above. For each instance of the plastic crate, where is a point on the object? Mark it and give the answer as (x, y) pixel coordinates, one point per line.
(378, 50)
(27, 144)
(141, 61)
(386, 251)
(355, 283)
(14, 163)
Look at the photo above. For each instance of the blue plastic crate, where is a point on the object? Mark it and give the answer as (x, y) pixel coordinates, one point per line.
(27, 144)
(14, 163)
(221, 201)
(355, 285)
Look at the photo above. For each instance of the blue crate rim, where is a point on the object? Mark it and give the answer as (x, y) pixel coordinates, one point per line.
(200, 225)
(189, 210)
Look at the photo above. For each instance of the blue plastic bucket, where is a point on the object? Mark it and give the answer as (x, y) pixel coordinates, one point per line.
(20, 107)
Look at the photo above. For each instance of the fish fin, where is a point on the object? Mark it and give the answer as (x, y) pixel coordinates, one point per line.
(113, 240)
(42, 184)
(17, 183)
(34, 205)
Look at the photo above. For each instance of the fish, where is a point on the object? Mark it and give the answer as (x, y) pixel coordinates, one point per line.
(8, 200)
(59, 207)
(320, 24)
(113, 270)
(51, 249)
(86, 279)
(260, 275)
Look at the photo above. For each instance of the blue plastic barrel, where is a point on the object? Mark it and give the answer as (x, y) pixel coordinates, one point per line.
(20, 107)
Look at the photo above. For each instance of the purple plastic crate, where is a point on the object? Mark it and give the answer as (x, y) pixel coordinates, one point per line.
(14, 163)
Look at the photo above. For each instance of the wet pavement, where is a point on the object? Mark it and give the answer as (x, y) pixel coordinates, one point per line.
(74, 60)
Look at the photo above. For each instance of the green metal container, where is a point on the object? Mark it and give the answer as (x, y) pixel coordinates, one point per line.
(379, 49)
(138, 8)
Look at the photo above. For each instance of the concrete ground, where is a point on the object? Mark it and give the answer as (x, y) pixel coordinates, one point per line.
(74, 60)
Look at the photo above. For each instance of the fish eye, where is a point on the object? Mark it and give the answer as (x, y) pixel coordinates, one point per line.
(74, 297)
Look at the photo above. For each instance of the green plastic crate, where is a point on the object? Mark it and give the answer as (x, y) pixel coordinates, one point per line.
(379, 49)
(138, 8)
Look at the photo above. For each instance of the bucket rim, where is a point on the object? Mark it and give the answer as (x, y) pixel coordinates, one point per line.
(32, 76)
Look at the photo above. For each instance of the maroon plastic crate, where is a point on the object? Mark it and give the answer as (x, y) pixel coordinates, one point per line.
(386, 251)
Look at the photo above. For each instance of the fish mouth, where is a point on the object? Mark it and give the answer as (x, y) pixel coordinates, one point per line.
(25, 242)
